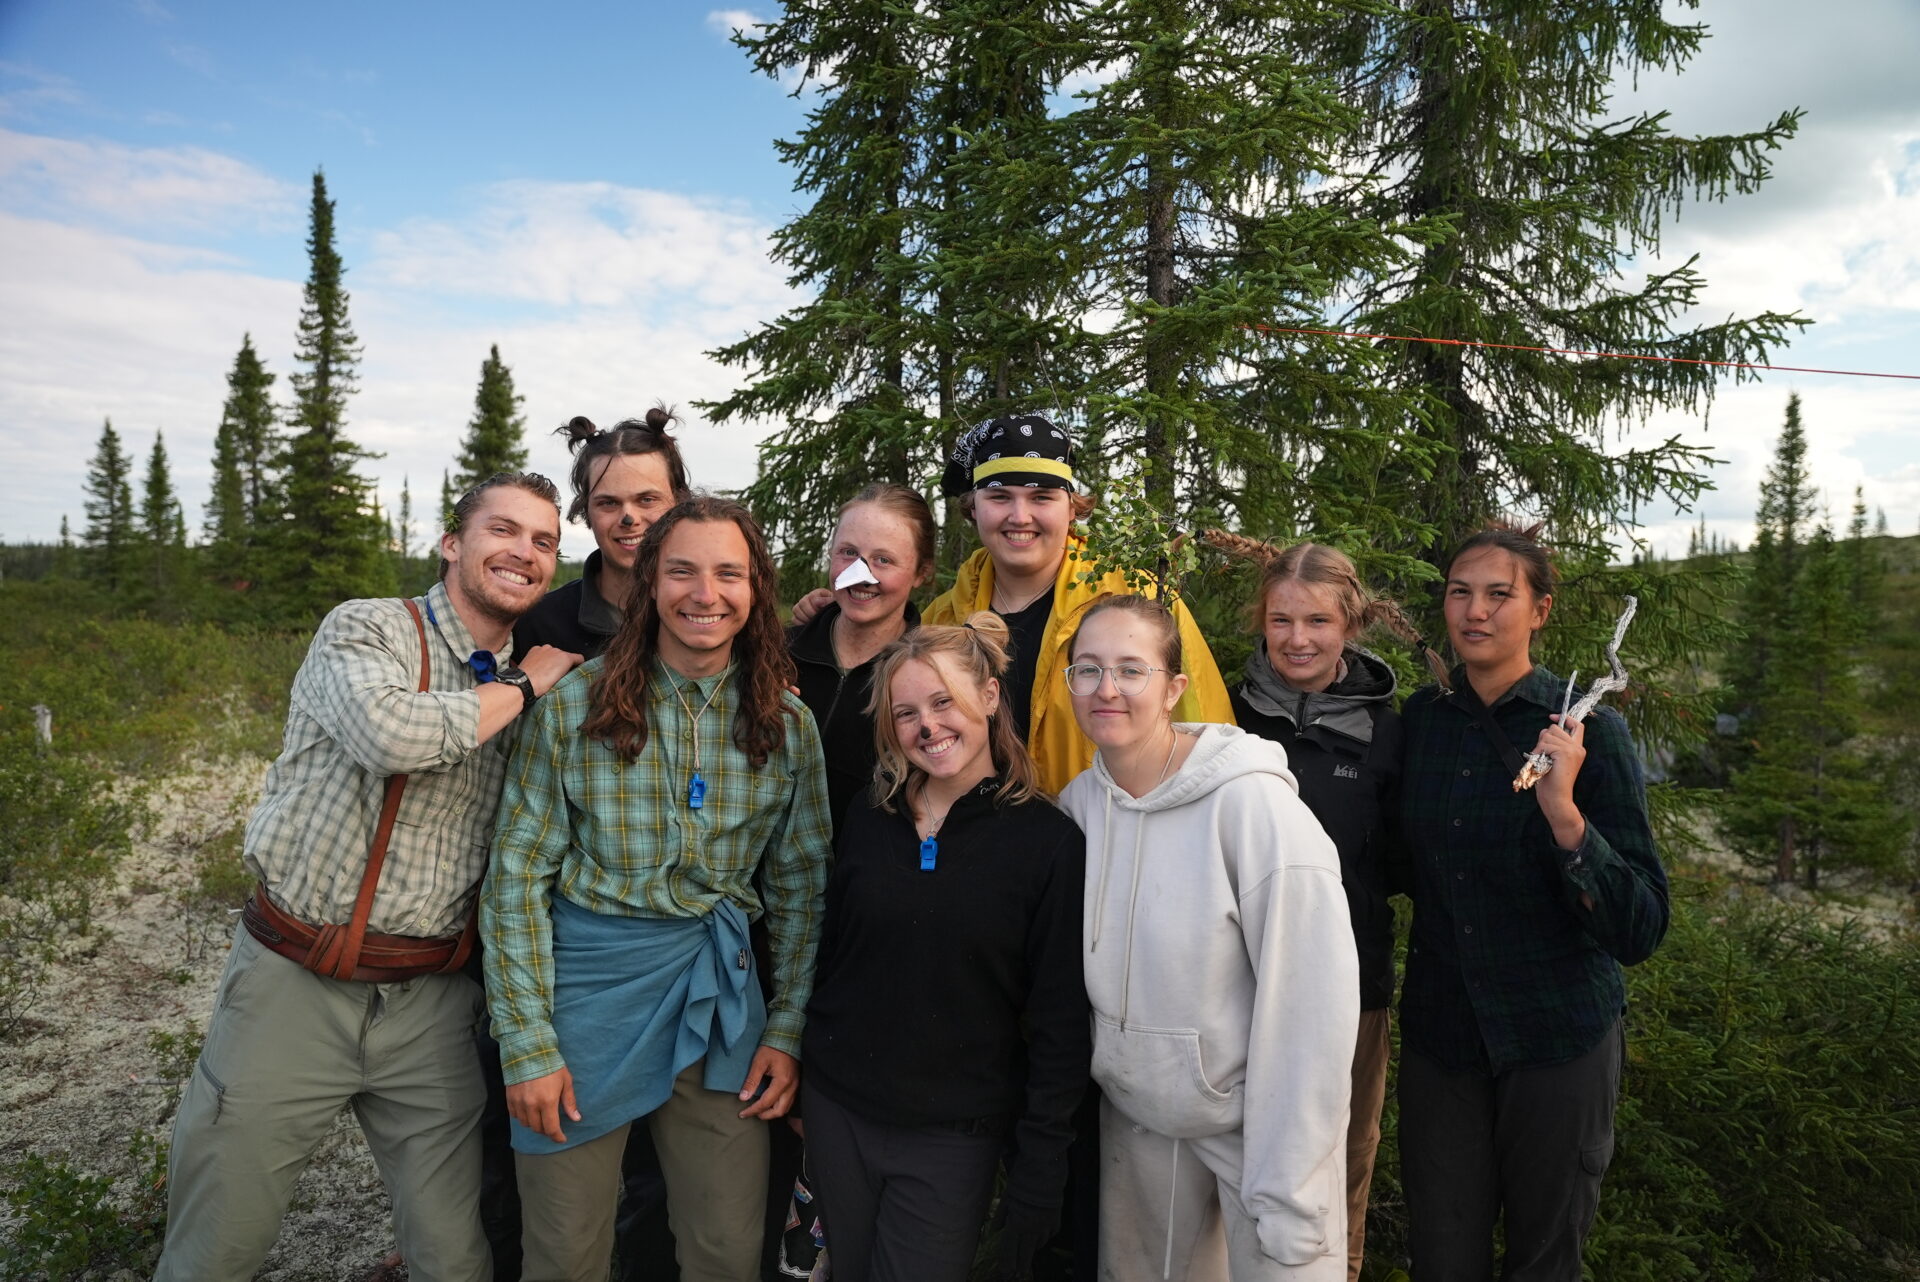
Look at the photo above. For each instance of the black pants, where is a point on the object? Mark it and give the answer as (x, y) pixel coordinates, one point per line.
(900, 1204)
(1531, 1142)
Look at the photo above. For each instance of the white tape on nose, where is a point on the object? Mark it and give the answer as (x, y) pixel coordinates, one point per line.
(854, 575)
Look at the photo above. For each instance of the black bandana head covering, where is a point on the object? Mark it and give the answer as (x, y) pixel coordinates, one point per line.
(1021, 449)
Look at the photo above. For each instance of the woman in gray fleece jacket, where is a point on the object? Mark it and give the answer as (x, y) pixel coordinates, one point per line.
(1220, 964)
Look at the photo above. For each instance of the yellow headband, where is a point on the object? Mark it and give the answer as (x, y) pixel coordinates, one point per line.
(1044, 466)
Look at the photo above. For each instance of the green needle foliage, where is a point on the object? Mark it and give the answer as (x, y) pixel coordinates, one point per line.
(1493, 119)
(497, 434)
(327, 542)
(112, 535)
(243, 495)
(902, 343)
(163, 529)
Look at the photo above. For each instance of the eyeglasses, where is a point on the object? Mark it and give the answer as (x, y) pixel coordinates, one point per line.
(1128, 678)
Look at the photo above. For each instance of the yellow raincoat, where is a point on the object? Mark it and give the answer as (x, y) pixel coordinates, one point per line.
(1053, 737)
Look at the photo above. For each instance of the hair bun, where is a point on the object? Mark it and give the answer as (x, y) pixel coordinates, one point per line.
(659, 416)
(578, 430)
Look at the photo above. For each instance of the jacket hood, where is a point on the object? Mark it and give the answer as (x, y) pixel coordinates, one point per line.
(1223, 752)
(1346, 707)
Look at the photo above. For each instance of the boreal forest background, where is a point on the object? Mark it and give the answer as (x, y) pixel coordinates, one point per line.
(1140, 258)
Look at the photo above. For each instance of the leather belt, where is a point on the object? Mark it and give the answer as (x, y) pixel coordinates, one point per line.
(383, 959)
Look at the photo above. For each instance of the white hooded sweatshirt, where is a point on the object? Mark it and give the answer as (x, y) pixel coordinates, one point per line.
(1221, 967)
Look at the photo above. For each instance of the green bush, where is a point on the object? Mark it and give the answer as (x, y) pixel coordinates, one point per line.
(1769, 1124)
(70, 1225)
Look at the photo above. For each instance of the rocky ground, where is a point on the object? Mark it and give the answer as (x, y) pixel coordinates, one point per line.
(80, 1077)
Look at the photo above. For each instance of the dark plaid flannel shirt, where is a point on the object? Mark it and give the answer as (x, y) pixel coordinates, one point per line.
(1507, 968)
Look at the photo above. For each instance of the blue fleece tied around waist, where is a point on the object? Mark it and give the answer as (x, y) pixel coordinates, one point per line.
(636, 1000)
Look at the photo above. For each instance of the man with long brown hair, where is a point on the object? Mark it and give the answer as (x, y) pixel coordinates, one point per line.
(665, 795)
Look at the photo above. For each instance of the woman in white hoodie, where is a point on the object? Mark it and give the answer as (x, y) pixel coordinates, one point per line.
(1220, 964)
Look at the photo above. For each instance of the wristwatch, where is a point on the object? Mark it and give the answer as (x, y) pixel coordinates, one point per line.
(513, 676)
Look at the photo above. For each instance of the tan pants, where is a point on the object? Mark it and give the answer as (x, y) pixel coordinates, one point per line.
(286, 1049)
(1363, 1129)
(715, 1162)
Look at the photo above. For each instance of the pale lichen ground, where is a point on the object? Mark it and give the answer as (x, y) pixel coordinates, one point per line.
(78, 1079)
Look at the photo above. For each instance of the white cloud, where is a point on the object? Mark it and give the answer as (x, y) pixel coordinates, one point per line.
(139, 187)
(602, 299)
(583, 244)
(728, 21)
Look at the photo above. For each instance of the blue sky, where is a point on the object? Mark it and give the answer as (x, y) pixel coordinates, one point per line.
(593, 189)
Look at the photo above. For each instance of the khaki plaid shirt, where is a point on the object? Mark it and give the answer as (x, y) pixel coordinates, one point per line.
(355, 717)
(621, 840)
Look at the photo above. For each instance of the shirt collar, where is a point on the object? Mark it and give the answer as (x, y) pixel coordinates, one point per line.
(1539, 687)
(443, 618)
(666, 680)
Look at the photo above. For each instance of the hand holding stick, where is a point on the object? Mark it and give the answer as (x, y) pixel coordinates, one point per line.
(1539, 763)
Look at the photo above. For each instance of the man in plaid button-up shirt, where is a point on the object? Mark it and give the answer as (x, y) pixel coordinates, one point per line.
(672, 790)
(287, 1047)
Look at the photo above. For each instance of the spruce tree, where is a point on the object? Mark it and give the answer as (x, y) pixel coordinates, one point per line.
(162, 525)
(63, 553)
(496, 435)
(875, 377)
(1780, 532)
(244, 504)
(1865, 568)
(327, 542)
(112, 537)
(403, 528)
(1810, 802)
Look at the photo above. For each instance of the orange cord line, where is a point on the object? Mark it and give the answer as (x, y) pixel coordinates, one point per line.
(1569, 351)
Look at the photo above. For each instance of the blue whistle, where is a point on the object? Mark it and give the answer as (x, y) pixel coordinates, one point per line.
(696, 792)
(929, 849)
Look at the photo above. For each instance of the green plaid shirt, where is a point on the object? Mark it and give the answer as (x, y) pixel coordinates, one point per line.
(356, 715)
(621, 840)
(1507, 968)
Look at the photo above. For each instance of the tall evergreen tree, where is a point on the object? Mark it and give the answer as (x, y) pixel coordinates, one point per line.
(244, 503)
(1780, 533)
(875, 377)
(112, 537)
(403, 528)
(63, 553)
(328, 543)
(496, 435)
(1810, 802)
(1864, 565)
(162, 524)
(1494, 118)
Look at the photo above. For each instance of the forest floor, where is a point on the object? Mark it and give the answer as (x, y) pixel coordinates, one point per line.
(81, 1076)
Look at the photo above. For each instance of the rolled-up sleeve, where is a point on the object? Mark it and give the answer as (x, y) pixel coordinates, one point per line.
(360, 685)
(530, 840)
(794, 884)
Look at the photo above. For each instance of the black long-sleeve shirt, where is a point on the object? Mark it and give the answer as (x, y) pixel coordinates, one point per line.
(955, 997)
(1517, 944)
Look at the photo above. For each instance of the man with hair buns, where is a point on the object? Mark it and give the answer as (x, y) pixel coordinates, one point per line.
(345, 985)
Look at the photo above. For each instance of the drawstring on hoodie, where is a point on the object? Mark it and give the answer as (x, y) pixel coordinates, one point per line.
(1133, 897)
(1173, 1190)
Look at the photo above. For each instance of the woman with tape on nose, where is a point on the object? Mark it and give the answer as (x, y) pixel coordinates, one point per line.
(882, 549)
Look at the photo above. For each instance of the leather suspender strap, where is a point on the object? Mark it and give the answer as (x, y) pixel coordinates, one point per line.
(336, 952)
